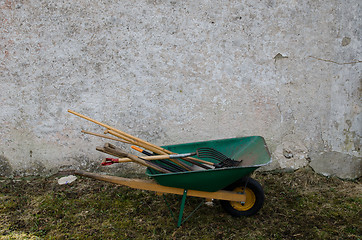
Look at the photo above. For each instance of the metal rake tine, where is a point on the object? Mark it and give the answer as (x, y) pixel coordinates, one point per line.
(223, 160)
(211, 153)
(212, 156)
(207, 151)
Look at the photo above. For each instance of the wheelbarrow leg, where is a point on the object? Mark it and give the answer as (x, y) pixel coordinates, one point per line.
(182, 208)
(183, 201)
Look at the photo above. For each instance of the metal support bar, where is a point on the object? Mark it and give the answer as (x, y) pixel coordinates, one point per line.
(182, 208)
(180, 221)
(193, 212)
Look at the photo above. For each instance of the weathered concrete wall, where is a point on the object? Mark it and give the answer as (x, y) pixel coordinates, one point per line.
(180, 71)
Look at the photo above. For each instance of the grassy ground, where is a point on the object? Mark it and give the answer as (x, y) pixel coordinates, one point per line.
(299, 205)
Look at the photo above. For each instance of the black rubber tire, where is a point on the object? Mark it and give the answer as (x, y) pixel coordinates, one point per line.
(254, 198)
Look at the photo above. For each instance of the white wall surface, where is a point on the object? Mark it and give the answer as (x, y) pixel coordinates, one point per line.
(180, 71)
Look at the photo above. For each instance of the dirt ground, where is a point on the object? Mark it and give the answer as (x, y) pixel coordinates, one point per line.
(298, 205)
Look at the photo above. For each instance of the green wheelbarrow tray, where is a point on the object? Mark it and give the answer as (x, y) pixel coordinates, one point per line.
(251, 150)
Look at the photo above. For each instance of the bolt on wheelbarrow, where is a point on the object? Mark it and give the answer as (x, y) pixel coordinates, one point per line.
(239, 194)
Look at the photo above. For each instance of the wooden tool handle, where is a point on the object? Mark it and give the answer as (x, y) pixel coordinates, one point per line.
(175, 156)
(105, 136)
(150, 148)
(120, 153)
(136, 139)
(147, 164)
(137, 148)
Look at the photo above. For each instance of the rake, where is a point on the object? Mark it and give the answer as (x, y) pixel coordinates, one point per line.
(223, 160)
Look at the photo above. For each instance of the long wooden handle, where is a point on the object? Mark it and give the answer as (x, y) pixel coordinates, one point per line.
(112, 150)
(155, 150)
(144, 163)
(162, 152)
(116, 130)
(148, 147)
(148, 158)
(105, 136)
(134, 140)
(152, 186)
(138, 141)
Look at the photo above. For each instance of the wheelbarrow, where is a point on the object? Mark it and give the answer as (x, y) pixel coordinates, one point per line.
(239, 194)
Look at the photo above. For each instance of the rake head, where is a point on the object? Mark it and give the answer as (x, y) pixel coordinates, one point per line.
(223, 160)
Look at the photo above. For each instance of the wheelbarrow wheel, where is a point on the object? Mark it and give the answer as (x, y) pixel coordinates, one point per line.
(254, 198)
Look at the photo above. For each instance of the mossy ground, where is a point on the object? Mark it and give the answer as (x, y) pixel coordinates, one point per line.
(298, 205)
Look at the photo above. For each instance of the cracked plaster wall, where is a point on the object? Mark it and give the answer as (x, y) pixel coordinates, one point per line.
(180, 71)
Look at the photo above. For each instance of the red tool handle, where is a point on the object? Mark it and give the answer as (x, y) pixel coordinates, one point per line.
(109, 161)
